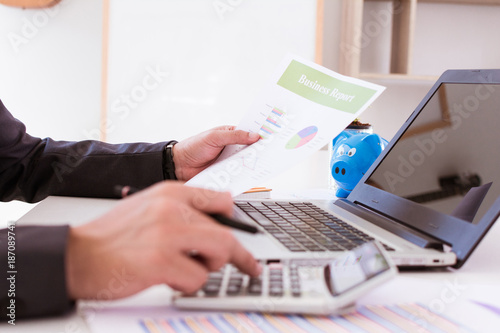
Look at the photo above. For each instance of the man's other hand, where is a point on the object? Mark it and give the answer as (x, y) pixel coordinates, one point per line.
(198, 152)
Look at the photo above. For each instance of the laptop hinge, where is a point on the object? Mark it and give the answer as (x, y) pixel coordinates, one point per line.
(407, 233)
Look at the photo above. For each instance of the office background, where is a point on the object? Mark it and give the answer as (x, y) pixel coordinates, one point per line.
(154, 70)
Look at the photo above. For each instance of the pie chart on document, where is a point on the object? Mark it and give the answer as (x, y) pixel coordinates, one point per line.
(302, 137)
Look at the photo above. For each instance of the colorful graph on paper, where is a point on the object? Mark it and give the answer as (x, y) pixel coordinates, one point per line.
(302, 137)
(272, 124)
(411, 317)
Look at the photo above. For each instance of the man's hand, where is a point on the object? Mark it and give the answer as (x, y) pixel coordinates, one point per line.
(161, 235)
(196, 153)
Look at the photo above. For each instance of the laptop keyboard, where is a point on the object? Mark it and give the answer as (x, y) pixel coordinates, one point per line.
(302, 226)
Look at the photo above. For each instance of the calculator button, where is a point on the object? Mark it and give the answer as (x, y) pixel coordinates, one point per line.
(255, 289)
(235, 282)
(276, 290)
(233, 289)
(296, 291)
(294, 281)
(277, 278)
(275, 283)
(216, 275)
(236, 276)
(212, 279)
(211, 289)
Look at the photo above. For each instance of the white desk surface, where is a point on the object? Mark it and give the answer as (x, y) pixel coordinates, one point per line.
(481, 271)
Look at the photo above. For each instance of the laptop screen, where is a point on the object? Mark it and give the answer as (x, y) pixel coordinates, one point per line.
(440, 175)
(452, 146)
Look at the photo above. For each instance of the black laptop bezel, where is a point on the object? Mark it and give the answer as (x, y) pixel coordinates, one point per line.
(458, 234)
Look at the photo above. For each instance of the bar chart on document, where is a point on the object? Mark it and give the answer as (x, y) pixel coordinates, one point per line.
(274, 122)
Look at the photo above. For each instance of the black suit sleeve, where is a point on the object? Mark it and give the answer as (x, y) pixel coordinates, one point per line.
(33, 279)
(32, 169)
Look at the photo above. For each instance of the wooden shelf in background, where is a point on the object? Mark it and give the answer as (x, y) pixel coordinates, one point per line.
(403, 28)
(350, 50)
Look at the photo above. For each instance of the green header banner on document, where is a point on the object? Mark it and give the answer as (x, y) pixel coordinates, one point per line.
(323, 89)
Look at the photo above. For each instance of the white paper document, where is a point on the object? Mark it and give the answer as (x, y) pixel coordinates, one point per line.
(300, 109)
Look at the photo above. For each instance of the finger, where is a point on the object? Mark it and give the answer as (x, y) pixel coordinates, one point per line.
(244, 260)
(204, 200)
(212, 202)
(218, 246)
(185, 274)
(221, 138)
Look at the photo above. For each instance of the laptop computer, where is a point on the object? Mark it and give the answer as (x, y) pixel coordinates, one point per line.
(430, 197)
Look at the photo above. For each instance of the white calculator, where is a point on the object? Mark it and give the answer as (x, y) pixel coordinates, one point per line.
(305, 286)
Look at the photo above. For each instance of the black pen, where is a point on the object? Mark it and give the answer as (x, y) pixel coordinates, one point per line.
(123, 191)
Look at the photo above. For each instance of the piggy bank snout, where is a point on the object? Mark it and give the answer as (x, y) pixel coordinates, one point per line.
(340, 169)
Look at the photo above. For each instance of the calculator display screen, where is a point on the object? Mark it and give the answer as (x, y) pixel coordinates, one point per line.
(355, 267)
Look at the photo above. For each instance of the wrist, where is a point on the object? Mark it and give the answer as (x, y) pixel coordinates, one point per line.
(79, 282)
(177, 163)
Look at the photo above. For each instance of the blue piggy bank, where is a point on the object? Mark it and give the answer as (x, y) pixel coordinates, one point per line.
(353, 154)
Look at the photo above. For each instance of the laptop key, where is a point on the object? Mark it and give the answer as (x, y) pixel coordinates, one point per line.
(334, 247)
(296, 248)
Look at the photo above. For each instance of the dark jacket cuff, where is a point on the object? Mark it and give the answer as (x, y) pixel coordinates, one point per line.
(36, 283)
